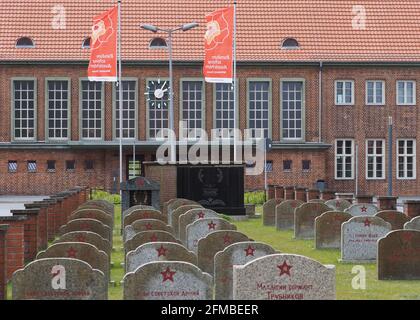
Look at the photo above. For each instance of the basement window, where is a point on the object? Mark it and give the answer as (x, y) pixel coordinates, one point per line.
(287, 165)
(50, 165)
(31, 166)
(70, 165)
(25, 42)
(12, 166)
(89, 165)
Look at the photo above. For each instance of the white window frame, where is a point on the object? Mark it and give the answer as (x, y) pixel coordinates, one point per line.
(270, 103)
(405, 155)
(203, 106)
(225, 133)
(337, 103)
(375, 103)
(81, 112)
(405, 103)
(47, 116)
(303, 110)
(375, 157)
(148, 108)
(115, 109)
(352, 156)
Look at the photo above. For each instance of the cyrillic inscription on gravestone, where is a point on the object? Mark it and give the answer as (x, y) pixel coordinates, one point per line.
(284, 277)
(285, 214)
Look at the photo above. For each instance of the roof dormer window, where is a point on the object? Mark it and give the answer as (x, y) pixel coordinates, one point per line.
(290, 43)
(25, 42)
(158, 43)
(86, 43)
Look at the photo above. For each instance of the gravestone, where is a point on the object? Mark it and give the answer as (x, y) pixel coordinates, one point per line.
(305, 216)
(202, 227)
(316, 201)
(145, 225)
(285, 214)
(395, 218)
(338, 204)
(78, 250)
(88, 225)
(148, 236)
(98, 204)
(143, 214)
(236, 254)
(158, 251)
(96, 214)
(362, 209)
(139, 191)
(166, 205)
(213, 243)
(176, 204)
(399, 255)
(269, 211)
(59, 279)
(284, 277)
(180, 211)
(216, 187)
(164, 280)
(328, 229)
(87, 237)
(414, 224)
(138, 207)
(359, 237)
(190, 216)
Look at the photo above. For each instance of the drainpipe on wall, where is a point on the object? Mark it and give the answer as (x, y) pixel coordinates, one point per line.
(320, 101)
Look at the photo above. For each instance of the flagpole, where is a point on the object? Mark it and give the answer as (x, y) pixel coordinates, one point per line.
(120, 92)
(235, 156)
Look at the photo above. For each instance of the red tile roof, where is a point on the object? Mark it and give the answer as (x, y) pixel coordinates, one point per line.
(323, 29)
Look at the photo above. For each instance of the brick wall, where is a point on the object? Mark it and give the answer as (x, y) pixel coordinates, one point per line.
(31, 231)
(166, 177)
(3, 262)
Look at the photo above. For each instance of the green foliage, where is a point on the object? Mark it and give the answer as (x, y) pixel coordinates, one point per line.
(98, 194)
(255, 197)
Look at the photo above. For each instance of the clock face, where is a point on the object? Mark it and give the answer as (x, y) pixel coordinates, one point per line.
(158, 93)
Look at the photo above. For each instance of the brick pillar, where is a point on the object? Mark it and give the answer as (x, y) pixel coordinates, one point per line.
(279, 192)
(363, 198)
(387, 203)
(31, 228)
(327, 195)
(15, 239)
(51, 218)
(270, 192)
(3, 262)
(42, 222)
(300, 194)
(412, 208)
(289, 193)
(312, 194)
(59, 214)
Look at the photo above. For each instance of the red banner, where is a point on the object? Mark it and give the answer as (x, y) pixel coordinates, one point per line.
(103, 47)
(219, 46)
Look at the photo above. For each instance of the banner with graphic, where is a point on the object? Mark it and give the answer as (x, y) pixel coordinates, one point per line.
(103, 47)
(218, 62)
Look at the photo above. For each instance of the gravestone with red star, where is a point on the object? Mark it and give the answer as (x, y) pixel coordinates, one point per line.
(96, 214)
(148, 236)
(87, 224)
(202, 227)
(413, 224)
(145, 225)
(190, 216)
(213, 243)
(158, 251)
(359, 237)
(179, 212)
(305, 216)
(86, 236)
(137, 207)
(176, 204)
(285, 214)
(362, 209)
(168, 280)
(284, 277)
(395, 218)
(399, 255)
(338, 204)
(143, 214)
(236, 254)
(99, 204)
(59, 279)
(269, 211)
(78, 250)
(328, 229)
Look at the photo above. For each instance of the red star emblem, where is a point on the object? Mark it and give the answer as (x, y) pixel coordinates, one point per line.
(227, 239)
(337, 218)
(161, 251)
(140, 182)
(200, 215)
(154, 238)
(81, 238)
(363, 209)
(212, 225)
(148, 226)
(71, 253)
(367, 222)
(249, 251)
(84, 226)
(407, 237)
(284, 268)
(168, 275)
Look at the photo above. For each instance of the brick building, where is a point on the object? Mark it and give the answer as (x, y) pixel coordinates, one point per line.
(321, 77)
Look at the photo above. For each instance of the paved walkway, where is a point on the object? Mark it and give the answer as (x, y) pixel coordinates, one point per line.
(8, 203)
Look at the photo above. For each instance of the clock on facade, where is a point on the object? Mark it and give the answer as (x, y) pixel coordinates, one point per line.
(158, 93)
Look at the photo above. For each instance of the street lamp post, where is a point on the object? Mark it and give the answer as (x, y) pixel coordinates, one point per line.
(169, 32)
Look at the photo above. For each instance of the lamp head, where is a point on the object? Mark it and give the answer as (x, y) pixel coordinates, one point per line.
(149, 27)
(189, 26)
